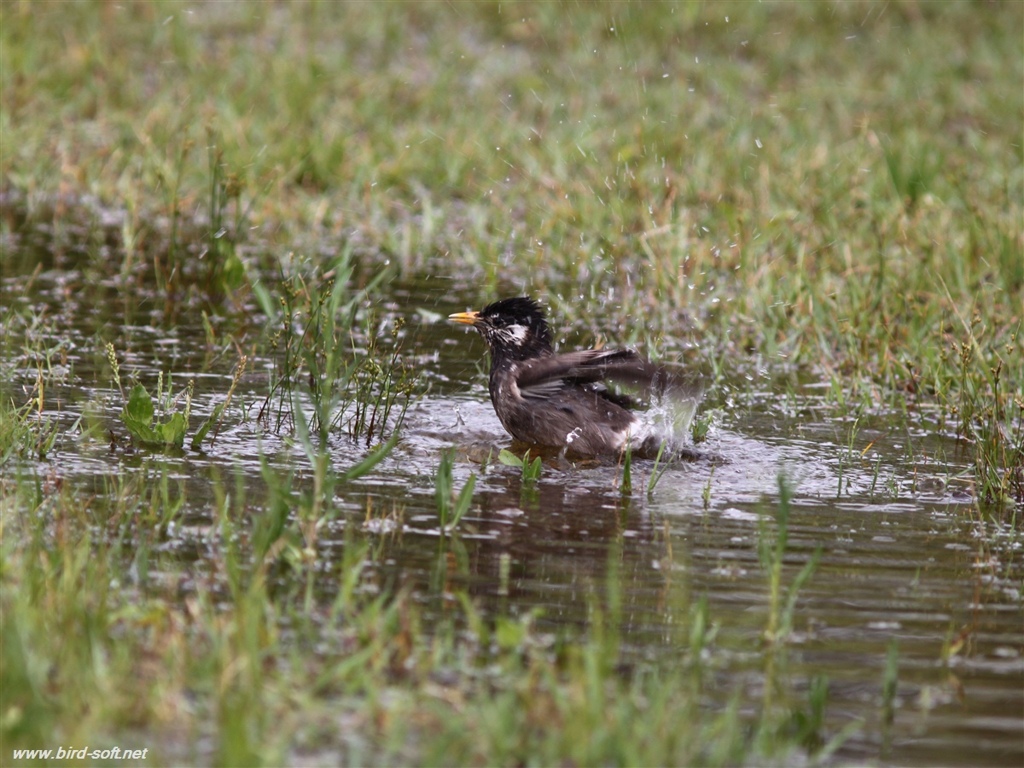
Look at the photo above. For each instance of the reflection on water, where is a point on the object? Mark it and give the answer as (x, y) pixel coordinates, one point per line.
(904, 554)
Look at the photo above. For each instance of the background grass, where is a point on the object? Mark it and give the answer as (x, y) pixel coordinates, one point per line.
(781, 170)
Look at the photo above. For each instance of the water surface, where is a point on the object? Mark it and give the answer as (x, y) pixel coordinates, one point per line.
(905, 555)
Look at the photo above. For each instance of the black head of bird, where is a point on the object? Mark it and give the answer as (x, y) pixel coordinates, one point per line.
(514, 329)
(563, 400)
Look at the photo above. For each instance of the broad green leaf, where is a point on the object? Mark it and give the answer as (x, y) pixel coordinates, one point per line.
(172, 432)
(140, 431)
(509, 459)
(140, 405)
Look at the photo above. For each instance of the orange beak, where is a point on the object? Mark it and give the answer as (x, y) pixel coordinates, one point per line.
(466, 318)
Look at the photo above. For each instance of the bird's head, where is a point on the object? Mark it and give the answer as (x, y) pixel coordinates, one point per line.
(513, 328)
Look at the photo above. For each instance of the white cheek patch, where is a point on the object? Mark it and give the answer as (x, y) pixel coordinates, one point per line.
(516, 333)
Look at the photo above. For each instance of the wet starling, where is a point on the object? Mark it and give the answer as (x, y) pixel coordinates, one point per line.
(562, 400)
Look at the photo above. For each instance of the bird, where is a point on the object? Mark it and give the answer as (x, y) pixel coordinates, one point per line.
(562, 400)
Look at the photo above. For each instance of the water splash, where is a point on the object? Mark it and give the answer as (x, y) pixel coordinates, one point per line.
(665, 426)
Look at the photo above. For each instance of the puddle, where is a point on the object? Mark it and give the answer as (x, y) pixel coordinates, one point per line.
(903, 555)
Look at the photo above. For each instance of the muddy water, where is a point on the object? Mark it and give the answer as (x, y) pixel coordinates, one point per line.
(904, 554)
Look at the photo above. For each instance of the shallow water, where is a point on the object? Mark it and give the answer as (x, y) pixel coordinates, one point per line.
(904, 553)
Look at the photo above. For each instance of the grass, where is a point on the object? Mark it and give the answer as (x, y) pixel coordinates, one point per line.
(221, 671)
(327, 353)
(826, 191)
(771, 551)
(451, 506)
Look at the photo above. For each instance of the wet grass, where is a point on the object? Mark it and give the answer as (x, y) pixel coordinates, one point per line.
(452, 505)
(830, 192)
(329, 353)
(245, 671)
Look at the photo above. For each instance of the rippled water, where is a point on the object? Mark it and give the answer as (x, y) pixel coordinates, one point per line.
(904, 553)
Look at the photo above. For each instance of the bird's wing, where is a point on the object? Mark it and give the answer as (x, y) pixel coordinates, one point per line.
(543, 376)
